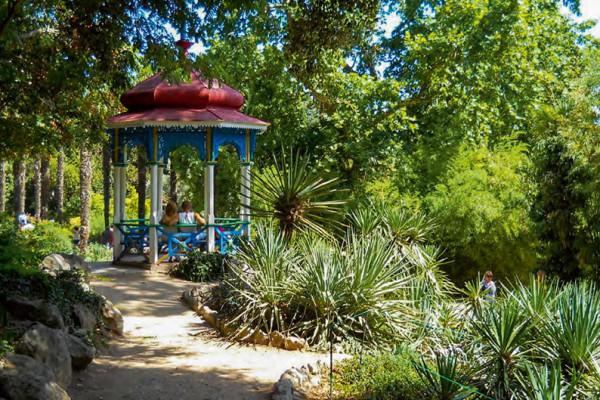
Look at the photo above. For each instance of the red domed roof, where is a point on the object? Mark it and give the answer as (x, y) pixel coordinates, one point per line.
(156, 102)
(154, 92)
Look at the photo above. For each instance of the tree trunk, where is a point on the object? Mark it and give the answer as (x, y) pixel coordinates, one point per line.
(141, 183)
(60, 185)
(85, 189)
(106, 164)
(45, 172)
(19, 185)
(172, 184)
(37, 188)
(2, 186)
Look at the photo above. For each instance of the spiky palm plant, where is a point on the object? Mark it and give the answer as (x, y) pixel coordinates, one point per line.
(574, 331)
(407, 227)
(546, 382)
(260, 284)
(364, 219)
(449, 379)
(295, 195)
(503, 343)
(353, 291)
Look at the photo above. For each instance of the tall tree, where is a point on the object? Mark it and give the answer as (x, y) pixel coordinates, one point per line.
(45, 172)
(2, 186)
(85, 193)
(19, 185)
(106, 173)
(60, 184)
(141, 182)
(37, 188)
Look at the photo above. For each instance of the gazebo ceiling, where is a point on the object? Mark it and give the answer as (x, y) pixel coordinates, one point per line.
(154, 102)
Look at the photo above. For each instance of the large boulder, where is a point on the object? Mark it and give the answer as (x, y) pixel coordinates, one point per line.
(56, 263)
(84, 318)
(48, 346)
(35, 310)
(23, 378)
(81, 353)
(112, 318)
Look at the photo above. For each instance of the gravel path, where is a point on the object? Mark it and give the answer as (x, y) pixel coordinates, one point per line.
(168, 352)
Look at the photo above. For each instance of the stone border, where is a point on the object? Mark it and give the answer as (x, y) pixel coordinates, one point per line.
(296, 383)
(192, 298)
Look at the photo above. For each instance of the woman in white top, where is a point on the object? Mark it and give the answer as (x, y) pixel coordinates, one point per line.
(188, 216)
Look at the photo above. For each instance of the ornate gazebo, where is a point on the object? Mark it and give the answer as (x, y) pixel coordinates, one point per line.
(204, 114)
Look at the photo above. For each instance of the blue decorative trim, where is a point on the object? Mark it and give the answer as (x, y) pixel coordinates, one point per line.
(233, 136)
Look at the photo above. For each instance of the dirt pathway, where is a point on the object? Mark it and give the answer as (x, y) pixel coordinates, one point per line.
(167, 351)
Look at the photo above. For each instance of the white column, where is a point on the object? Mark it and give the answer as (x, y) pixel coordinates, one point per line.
(209, 203)
(245, 206)
(161, 173)
(123, 192)
(116, 212)
(154, 211)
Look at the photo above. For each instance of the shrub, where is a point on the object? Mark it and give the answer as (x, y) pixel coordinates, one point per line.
(322, 290)
(200, 267)
(382, 377)
(95, 252)
(28, 248)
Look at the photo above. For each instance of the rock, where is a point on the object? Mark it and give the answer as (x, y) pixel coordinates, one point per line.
(56, 263)
(210, 316)
(283, 388)
(259, 337)
(112, 318)
(192, 298)
(35, 310)
(81, 353)
(48, 346)
(294, 343)
(277, 339)
(84, 318)
(17, 328)
(23, 378)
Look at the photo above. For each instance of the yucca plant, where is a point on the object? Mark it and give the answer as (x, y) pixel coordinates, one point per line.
(474, 297)
(354, 291)
(364, 219)
(503, 343)
(407, 227)
(260, 283)
(574, 331)
(449, 379)
(546, 382)
(538, 298)
(295, 195)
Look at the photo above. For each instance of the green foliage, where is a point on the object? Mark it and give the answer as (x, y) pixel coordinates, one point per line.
(295, 196)
(381, 377)
(447, 379)
(481, 207)
(200, 266)
(64, 290)
(25, 248)
(96, 252)
(322, 290)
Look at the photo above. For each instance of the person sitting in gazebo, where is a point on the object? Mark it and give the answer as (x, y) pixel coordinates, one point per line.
(188, 216)
(170, 217)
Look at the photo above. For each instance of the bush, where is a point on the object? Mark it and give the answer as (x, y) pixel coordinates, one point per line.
(201, 267)
(28, 248)
(383, 377)
(96, 252)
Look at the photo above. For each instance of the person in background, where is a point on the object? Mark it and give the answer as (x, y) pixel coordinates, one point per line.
(170, 217)
(107, 237)
(188, 216)
(76, 236)
(24, 224)
(540, 276)
(488, 285)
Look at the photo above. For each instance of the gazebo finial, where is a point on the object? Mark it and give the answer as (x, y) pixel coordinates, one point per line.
(184, 44)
